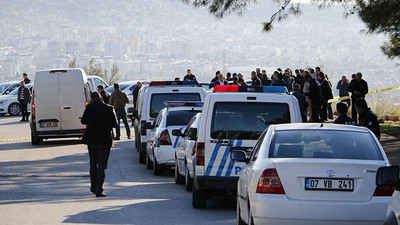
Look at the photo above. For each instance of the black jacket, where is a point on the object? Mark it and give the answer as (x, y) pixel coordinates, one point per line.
(279, 83)
(135, 94)
(217, 83)
(256, 82)
(345, 120)
(326, 90)
(99, 119)
(106, 96)
(191, 77)
(313, 93)
(212, 82)
(369, 120)
(265, 81)
(303, 104)
(360, 86)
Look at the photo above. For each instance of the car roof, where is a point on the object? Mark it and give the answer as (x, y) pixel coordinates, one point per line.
(319, 126)
(11, 82)
(180, 108)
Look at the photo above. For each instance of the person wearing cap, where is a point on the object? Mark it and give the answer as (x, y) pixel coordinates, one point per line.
(367, 118)
(358, 89)
(302, 101)
(189, 76)
(99, 119)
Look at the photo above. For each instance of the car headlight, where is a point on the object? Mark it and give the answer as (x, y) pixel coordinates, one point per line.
(3, 102)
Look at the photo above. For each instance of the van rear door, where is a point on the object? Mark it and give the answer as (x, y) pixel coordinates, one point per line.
(72, 99)
(47, 101)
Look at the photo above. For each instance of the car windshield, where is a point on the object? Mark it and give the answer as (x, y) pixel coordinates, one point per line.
(3, 87)
(246, 120)
(157, 100)
(181, 117)
(15, 92)
(336, 144)
(129, 89)
(121, 86)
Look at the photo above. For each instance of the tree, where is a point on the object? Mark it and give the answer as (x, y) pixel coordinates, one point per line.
(93, 68)
(380, 16)
(73, 63)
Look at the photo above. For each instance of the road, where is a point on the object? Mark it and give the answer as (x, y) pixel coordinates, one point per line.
(49, 184)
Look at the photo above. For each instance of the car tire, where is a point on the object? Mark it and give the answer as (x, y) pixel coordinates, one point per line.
(188, 180)
(239, 220)
(198, 198)
(14, 109)
(391, 219)
(35, 140)
(149, 163)
(156, 167)
(179, 179)
(142, 153)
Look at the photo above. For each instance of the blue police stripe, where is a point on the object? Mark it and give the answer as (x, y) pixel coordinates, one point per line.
(176, 140)
(229, 170)
(212, 160)
(223, 161)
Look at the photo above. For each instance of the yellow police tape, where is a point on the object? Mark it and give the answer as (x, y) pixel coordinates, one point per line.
(336, 99)
(15, 139)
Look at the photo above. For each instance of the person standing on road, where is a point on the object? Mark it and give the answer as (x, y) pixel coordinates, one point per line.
(105, 96)
(367, 118)
(303, 104)
(342, 86)
(189, 76)
(358, 89)
(135, 95)
(99, 119)
(24, 98)
(342, 109)
(26, 79)
(313, 93)
(118, 99)
(325, 94)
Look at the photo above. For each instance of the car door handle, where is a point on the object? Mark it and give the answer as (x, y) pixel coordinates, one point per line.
(67, 107)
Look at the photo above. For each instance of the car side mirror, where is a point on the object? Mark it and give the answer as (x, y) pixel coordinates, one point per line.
(239, 156)
(147, 125)
(388, 176)
(177, 132)
(192, 134)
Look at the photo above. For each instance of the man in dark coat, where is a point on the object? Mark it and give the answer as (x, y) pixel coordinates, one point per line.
(358, 89)
(26, 79)
(342, 109)
(325, 94)
(189, 76)
(315, 98)
(105, 96)
(211, 85)
(303, 104)
(99, 119)
(367, 118)
(24, 96)
(255, 81)
(220, 80)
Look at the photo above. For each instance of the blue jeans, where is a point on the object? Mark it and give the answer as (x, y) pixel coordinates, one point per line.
(121, 114)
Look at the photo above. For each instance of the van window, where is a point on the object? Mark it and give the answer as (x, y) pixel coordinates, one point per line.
(334, 144)
(181, 117)
(246, 120)
(157, 100)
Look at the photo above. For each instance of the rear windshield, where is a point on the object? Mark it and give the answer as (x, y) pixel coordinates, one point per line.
(246, 120)
(157, 100)
(324, 144)
(181, 117)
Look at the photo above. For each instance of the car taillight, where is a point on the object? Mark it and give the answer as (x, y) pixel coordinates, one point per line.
(143, 131)
(269, 183)
(86, 103)
(164, 138)
(33, 110)
(194, 149)
(200, 154)
(384, 190)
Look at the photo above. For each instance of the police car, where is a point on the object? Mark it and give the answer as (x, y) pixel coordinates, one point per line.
(233, 118)
(185, 152)
(161, 143)
(150, 103)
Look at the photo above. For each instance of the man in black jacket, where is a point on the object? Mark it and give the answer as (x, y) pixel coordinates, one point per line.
(105, 96)
(358, 89)
(342, 109)
(211, 85)
(367, 118)
(325, 94)
(255, 81)
(315, 98)
(24, 98)
(189, 76)
(99, 119)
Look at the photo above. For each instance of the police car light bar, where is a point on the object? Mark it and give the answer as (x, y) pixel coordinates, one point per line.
(181, 103)
(174, 83)
(261, 89)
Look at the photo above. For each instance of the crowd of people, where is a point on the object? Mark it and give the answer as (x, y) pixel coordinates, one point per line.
(313, 90)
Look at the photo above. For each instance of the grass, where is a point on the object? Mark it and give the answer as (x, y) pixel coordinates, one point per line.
(390, 129)
(385, 108)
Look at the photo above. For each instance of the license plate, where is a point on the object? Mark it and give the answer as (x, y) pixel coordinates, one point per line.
(329, 184)
(48, 124)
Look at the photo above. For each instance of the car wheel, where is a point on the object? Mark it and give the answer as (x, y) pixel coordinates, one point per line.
(35, 140)
(14, 109)
(149, 163)
(198, 198)
(179, 179)
(188, 180)
(391, 219)
(156, 167)
(142, 153)
(239, 220)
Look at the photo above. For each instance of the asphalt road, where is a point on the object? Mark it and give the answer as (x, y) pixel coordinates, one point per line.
(49, 184)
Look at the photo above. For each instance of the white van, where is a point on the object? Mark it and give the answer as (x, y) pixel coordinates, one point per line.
(58, 100)
(151, 101)
(233, 118)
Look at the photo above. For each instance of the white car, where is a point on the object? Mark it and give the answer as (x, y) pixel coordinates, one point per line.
(390, 175)
(95, 81)
(161, 143)
(9, 103)
(312, 174)
(185, 151)
(7, 87)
